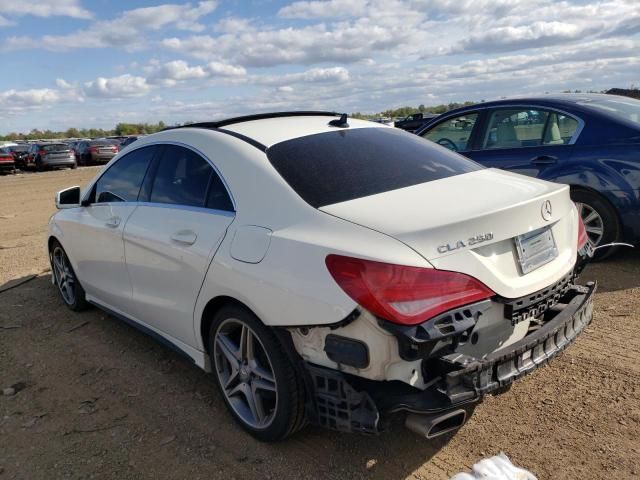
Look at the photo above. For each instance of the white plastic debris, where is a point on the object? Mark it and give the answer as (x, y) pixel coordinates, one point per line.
(495, 468)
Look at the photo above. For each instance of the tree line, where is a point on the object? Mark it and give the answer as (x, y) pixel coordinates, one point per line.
(120, 129)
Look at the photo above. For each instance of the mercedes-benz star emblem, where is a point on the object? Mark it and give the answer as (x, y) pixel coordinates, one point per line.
(547, 211)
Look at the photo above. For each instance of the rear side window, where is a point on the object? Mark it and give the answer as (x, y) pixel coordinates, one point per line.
(121, 183)
(185, 178)
(335, 167)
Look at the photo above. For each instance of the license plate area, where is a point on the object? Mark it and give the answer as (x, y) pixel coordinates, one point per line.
(535, 249)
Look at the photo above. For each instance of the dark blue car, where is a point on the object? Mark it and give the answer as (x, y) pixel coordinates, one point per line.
(588, 141)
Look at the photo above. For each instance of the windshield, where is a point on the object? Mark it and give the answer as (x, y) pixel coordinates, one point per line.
(334, 167)
(626, 108)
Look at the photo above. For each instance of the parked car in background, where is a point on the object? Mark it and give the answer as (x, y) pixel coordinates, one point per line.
(130, 140)
(588, 141)
(43, 156)
(7, 160)
(326, 269)
(384, 121)
(19, 152)
(414, 121)
(96, 151)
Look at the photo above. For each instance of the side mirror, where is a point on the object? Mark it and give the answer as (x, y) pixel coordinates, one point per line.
(68, 198)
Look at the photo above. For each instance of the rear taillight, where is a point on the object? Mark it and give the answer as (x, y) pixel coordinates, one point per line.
(41, 152)
(401, 294)
(582, 234)
(93, 149)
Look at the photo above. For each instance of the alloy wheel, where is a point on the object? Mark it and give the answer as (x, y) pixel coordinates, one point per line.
(64, 276)
(593, 223)
(245, 373)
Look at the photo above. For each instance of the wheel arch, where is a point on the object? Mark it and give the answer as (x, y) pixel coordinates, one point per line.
(211, 308)
(592, 191)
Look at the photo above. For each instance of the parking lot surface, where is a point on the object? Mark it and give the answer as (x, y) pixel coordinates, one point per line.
(98, 399)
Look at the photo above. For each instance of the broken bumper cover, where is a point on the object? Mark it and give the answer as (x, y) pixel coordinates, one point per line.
(475, 378)
(349, 403)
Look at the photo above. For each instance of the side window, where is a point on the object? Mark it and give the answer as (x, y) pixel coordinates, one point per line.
(454, 133)
(515, 128)
(185, 178)
(218, 198)
(560, 130)
(121, 183)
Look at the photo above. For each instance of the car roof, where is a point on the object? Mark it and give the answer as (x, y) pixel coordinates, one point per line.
(265, 130)
(570, 100)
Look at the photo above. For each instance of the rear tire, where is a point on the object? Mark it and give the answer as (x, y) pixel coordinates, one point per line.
(259, 384)
(69, 287)
(600, 220)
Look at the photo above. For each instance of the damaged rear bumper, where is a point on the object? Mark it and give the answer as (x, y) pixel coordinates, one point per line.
(349, 403)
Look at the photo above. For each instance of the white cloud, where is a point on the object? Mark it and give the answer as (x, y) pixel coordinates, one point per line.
(116, 87)
(170, 73)
(333, 75)
(125, 32)
(4, 22)
(44, 8)
(325, 9)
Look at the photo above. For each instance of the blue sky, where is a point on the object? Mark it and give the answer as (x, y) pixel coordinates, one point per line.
(80, 63)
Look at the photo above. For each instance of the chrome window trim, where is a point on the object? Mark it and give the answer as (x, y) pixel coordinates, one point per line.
(573, 140)
(173, 206)
(160, 143)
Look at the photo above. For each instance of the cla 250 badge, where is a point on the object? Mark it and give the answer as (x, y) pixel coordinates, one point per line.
(450, 247)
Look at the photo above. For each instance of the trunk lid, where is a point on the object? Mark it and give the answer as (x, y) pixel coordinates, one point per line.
(468, 223)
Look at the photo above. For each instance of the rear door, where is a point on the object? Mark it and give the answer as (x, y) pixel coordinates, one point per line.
(170, 240)
(527, 140)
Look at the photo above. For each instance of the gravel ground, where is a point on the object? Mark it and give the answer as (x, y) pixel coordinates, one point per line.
(97, 399)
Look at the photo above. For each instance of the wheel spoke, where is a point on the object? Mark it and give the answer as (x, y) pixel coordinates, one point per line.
(591, 217)
(230, 351)
(594, 230)
(261, 384)
(248, 353)
(255, 405)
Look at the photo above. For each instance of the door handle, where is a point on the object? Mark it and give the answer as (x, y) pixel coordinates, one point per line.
(185, 237)
(113, 222)
(544, 160)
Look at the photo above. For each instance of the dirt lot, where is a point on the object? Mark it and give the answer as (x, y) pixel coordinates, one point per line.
(101, 400)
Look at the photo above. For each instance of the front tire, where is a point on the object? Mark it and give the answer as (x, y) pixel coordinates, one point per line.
(600, 221)
(69, 287)
(258, 382)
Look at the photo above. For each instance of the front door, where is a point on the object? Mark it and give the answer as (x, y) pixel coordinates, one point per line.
(96, 233)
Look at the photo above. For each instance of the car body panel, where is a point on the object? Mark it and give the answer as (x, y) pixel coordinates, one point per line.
(480, 203)
(93, 236)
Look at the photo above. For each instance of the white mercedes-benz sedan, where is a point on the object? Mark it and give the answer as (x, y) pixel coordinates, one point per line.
(328, 270)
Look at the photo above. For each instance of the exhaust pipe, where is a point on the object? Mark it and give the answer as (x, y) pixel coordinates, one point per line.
(431, 426)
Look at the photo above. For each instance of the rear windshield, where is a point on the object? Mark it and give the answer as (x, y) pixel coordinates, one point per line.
(335, 167)
(55, 148)
(625, 108)
(102, 142)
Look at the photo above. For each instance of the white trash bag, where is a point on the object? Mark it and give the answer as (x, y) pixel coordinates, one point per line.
(495, 468)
